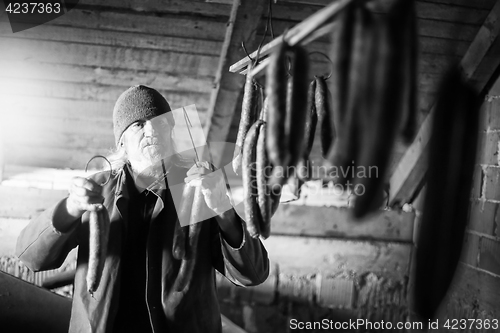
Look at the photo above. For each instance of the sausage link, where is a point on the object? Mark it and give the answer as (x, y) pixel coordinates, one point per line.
(98, 244)
(262, 175)
(323, 111)
(248, 117)
(188, 265)
(252, 214)
(276, 92)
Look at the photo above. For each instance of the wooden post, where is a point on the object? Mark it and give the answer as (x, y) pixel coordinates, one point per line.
(241, 27)
(410, 172)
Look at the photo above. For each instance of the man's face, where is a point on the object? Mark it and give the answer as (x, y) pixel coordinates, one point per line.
(148, 141)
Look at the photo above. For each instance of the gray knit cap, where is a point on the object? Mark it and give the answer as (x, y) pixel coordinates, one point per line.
(137, 103)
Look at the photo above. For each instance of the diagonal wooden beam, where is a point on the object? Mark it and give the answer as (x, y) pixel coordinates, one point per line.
(409, 174)
(242, 27)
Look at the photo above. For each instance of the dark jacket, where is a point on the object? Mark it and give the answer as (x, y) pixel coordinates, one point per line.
(195, 309)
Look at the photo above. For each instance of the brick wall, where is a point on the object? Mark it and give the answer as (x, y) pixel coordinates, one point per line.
(475, 292)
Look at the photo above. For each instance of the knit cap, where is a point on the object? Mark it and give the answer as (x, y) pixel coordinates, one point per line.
(138, 103)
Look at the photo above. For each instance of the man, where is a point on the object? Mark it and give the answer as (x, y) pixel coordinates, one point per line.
(136, 292)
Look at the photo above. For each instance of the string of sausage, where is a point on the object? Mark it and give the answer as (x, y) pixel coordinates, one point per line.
(304, 168)
(181, 231)
(346, 55)
(249, 112)
(286, 116)
(188, 264)
(382, 105)
(250, 186)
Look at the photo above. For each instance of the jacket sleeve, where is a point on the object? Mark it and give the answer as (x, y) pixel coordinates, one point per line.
(247, 265)
(40, 246)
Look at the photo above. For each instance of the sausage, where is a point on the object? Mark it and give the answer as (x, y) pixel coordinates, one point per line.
(452, 151)
(296, 103)
(262, 174)
(341, 56)
(179, 241)
(406, 11)
(179, 249)
(323, 110)
(381, 114)
(252, 214)
(276, 92)
(188, 265)
(311, 120)
(98, 244)
(286, 117)
(303, 167)
(248, 117)
(383, 124)
(343, 153)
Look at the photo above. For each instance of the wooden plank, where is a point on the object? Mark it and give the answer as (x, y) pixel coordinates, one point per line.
(25, 203)
(164, 6)
(424, 9)
(471, 286)
(55, 139)
(337, 222)
(115, 38)
(48, 157)
(107, 57)
(88, 91)
(426, 27)
(166, 25)
(427, 45)
(310, 255)
(482, 4)
(400, 182)
(103, 76)
(61, 108)
(243, 21)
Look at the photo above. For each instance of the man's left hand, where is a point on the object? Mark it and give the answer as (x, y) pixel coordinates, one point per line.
(212, 185)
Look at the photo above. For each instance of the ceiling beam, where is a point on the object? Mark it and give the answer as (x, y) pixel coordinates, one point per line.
(241, 27)
(409, 174)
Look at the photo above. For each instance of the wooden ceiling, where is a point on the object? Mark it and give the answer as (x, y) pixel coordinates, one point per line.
(59, 81)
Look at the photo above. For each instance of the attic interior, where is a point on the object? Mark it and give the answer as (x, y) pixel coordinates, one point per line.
(58, 85)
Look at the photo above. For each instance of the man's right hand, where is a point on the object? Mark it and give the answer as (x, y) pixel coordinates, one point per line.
(84, 195)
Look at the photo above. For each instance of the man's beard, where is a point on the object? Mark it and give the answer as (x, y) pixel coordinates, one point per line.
(152, 166)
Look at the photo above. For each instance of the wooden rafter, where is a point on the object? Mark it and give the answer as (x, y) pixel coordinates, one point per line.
(409, 174)
(242, 26)
(305, 32)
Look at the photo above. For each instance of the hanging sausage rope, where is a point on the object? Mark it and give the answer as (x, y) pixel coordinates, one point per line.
(99, 225)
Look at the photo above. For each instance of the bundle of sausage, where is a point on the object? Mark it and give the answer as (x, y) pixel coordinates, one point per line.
(373, 94)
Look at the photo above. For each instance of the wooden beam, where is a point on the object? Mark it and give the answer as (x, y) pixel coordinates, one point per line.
(410, 172)
(296, 35)
(25, 203)
(241, 27)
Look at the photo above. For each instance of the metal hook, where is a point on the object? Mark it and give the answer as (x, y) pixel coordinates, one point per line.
(110, 167)
(325, 77)
(246, 52)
